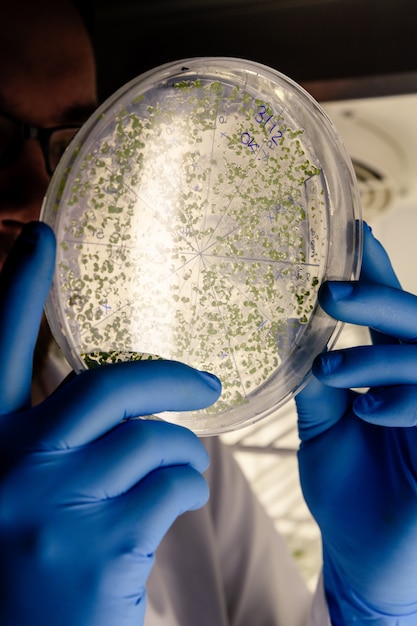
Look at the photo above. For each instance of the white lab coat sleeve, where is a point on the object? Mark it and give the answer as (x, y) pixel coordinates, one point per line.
(319, 615)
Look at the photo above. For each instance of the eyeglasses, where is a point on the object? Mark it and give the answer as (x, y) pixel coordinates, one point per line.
(53, 141)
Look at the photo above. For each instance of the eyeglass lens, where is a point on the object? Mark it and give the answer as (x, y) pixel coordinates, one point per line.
(58, 142)
(53, 142)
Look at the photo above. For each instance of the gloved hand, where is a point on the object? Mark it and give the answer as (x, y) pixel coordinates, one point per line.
(85, 497)
(358, 453)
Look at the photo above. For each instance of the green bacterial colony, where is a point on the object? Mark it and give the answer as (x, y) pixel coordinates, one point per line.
(193, 232)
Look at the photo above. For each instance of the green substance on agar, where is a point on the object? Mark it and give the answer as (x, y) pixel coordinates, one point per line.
(94, 359)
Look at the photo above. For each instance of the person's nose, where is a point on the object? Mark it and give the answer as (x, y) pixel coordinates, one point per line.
(23, 186)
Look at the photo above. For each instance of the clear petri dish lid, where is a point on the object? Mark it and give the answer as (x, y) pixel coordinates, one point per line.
(197, 212)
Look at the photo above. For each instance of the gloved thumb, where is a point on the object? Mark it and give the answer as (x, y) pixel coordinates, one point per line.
(24, 283)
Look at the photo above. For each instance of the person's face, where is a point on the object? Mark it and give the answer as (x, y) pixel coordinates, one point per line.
(47, 79)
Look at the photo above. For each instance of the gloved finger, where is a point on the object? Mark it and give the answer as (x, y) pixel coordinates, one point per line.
(388, 310)
(144, 515)
(97, 400)
(376, 268)
(376, 265)
(319, 407)
(389, 406)
(115, 463)
(368, 366)
(24, 284)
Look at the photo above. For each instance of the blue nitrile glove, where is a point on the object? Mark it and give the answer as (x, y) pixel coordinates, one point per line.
(85, 497)
(358, 456)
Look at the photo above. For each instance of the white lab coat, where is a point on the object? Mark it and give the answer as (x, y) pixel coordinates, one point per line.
(225, 564)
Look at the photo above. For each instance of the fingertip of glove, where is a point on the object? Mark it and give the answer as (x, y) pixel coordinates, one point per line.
(326, 364)
(376, 264)
(367, 229)
(336, 291)
(366, 404)
(212, 382)
(34, 237)
(34, 230)
(205, 463)
(30, 263)
(202, 500)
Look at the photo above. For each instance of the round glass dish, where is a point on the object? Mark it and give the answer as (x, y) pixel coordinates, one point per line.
(197, 212)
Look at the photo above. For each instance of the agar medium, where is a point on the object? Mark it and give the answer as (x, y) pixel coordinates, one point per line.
(196, 213)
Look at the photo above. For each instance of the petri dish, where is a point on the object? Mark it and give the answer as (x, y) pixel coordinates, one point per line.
(196, 213)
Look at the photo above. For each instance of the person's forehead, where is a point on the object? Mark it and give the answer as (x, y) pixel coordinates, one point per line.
(47, 71)
(47, 100)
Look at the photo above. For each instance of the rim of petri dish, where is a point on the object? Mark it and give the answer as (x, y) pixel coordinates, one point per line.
(197, 213)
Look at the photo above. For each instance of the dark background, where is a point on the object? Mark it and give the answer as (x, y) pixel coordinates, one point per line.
(315, 42)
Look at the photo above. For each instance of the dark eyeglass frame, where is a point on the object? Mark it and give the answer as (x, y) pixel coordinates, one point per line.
(29, 131)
